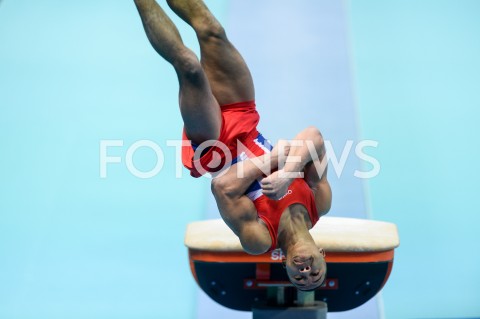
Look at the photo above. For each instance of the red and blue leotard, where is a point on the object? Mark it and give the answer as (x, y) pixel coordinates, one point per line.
(239, 125)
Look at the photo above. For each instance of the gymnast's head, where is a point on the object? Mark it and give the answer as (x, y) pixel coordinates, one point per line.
(306, 267)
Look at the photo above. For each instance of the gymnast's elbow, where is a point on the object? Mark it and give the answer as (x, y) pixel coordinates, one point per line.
(324, 205)
(313, 134)
(324, 209)
(323, 197)
(252, 246)
(254, 239)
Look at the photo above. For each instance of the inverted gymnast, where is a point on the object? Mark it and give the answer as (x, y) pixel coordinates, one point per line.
(264, 209)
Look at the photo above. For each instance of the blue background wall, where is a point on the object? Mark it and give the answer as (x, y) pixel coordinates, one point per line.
(73, 245)
(417, 78)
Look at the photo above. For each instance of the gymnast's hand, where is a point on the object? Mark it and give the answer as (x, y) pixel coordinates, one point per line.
(275, 185)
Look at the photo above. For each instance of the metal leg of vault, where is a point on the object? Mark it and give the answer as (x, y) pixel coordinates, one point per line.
(305, 306)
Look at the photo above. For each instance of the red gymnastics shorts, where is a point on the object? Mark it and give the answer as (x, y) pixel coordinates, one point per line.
(239, 124)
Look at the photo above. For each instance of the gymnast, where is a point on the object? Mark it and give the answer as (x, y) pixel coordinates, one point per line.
(269, 197)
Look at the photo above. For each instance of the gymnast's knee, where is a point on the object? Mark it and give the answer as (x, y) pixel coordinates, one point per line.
(187, 65)
(222, 187)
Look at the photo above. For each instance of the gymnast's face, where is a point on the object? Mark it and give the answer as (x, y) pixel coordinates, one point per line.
(306, 268)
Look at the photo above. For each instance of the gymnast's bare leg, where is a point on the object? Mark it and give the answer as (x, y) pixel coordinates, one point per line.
(199, 108)
(227, 72)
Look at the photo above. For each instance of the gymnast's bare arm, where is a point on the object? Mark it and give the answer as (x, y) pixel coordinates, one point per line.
(239, 212)
(236, 209)
(306, 154)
